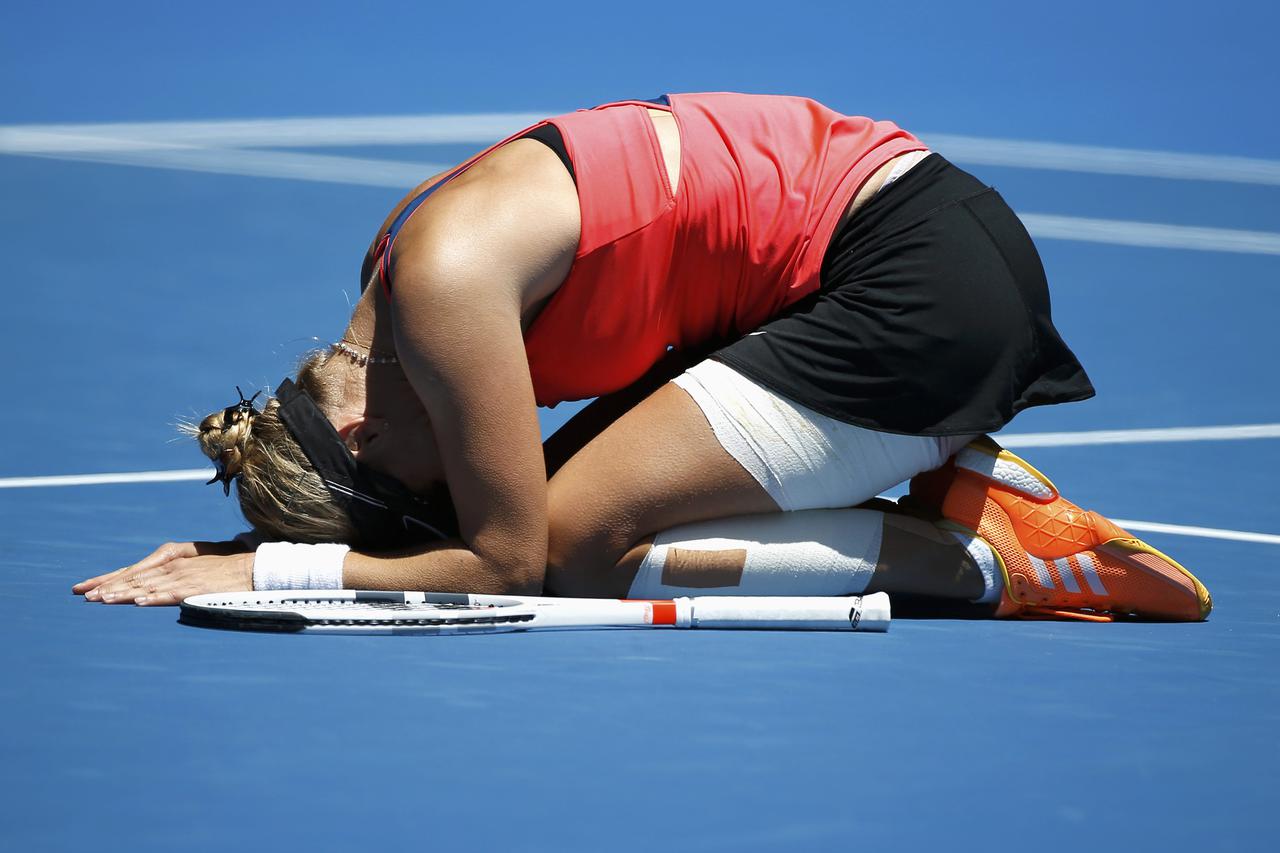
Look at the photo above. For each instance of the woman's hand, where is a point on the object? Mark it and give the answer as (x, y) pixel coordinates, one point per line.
(172, 572)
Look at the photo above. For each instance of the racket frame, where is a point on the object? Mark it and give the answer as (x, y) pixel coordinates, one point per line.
(462, 613)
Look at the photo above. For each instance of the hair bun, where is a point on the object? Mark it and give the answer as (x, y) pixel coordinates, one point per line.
(224, 437)
(279, 492)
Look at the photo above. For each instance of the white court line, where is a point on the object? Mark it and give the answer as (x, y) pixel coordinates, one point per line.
(202, 474)
(1097, 160)
(487, 127)
(290, 165)
(403, 175)
(229, 148)
(1203, 532)
(176, 476)
(477, 128)
(1044, 439)
(1155, 235)
(1139, 436)
(1027, 439)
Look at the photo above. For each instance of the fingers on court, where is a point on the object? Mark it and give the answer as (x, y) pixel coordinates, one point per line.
(164, 554)
(161, 598)
(133, 585)
(92, 583)
(122, 593)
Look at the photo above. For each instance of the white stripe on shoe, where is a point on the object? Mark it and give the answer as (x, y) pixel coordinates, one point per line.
(1069, 582)
(1090, 571)
(1042, 572)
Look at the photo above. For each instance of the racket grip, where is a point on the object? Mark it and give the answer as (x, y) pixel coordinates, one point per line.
(852, 613)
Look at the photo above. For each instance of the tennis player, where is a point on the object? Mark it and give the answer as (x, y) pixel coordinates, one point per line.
(783, 311)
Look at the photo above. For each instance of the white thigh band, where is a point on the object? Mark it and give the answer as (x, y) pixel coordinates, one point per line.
(816, 552)
(804, 459)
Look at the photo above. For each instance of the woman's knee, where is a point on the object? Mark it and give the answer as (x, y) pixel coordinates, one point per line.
(658, 466)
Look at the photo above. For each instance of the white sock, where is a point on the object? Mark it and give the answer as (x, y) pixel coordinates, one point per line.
(810, 552)
(992, 577)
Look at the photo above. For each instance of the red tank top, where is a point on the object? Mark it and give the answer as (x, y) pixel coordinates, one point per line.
(764, 180)
(763, 183)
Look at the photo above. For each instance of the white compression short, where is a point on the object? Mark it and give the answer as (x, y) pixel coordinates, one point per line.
(815, 552)
(804, 459)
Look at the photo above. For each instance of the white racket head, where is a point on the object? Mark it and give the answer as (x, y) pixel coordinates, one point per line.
(358, 612)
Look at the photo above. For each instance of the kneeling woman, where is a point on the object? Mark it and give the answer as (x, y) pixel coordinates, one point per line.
(852, 310)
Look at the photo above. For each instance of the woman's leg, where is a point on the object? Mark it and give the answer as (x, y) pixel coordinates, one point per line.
(561, 446)
(662, 467)
(655, 467)
(906, 555)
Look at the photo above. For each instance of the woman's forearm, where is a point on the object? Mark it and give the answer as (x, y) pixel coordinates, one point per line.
(440, 567)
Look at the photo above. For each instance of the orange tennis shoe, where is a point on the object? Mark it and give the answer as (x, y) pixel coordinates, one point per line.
(1058, 560)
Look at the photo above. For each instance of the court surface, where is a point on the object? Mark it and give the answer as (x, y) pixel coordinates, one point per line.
(149, 268)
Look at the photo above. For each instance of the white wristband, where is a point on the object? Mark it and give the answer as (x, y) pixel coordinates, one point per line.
(289, 565)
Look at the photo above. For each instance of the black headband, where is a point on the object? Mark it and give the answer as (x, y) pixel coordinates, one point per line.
(384, 512)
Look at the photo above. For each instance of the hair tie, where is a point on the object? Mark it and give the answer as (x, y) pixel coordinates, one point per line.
(232, 415)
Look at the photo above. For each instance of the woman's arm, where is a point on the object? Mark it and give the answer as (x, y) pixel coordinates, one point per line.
(468, 268)
(460, 344)
(440, 567)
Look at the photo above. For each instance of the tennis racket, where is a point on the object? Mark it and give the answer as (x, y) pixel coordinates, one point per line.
(352, 612)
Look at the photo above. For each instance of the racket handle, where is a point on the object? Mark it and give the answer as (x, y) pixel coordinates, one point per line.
(852, 613)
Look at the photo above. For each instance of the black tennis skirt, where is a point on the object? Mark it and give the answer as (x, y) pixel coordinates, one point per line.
(932, 317)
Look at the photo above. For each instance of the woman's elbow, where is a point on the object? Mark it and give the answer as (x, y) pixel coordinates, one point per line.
(522, 573)
(526, 579)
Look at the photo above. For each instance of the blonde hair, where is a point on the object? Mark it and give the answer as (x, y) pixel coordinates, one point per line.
(280, 493)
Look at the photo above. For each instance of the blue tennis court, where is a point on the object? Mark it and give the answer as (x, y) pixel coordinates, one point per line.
(185, 199)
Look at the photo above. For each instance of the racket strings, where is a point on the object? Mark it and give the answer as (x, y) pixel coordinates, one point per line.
(332, 612)
(399, 606)
(435, 621)
(319, 604)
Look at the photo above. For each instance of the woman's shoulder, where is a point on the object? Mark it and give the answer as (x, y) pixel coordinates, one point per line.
(510, 216)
